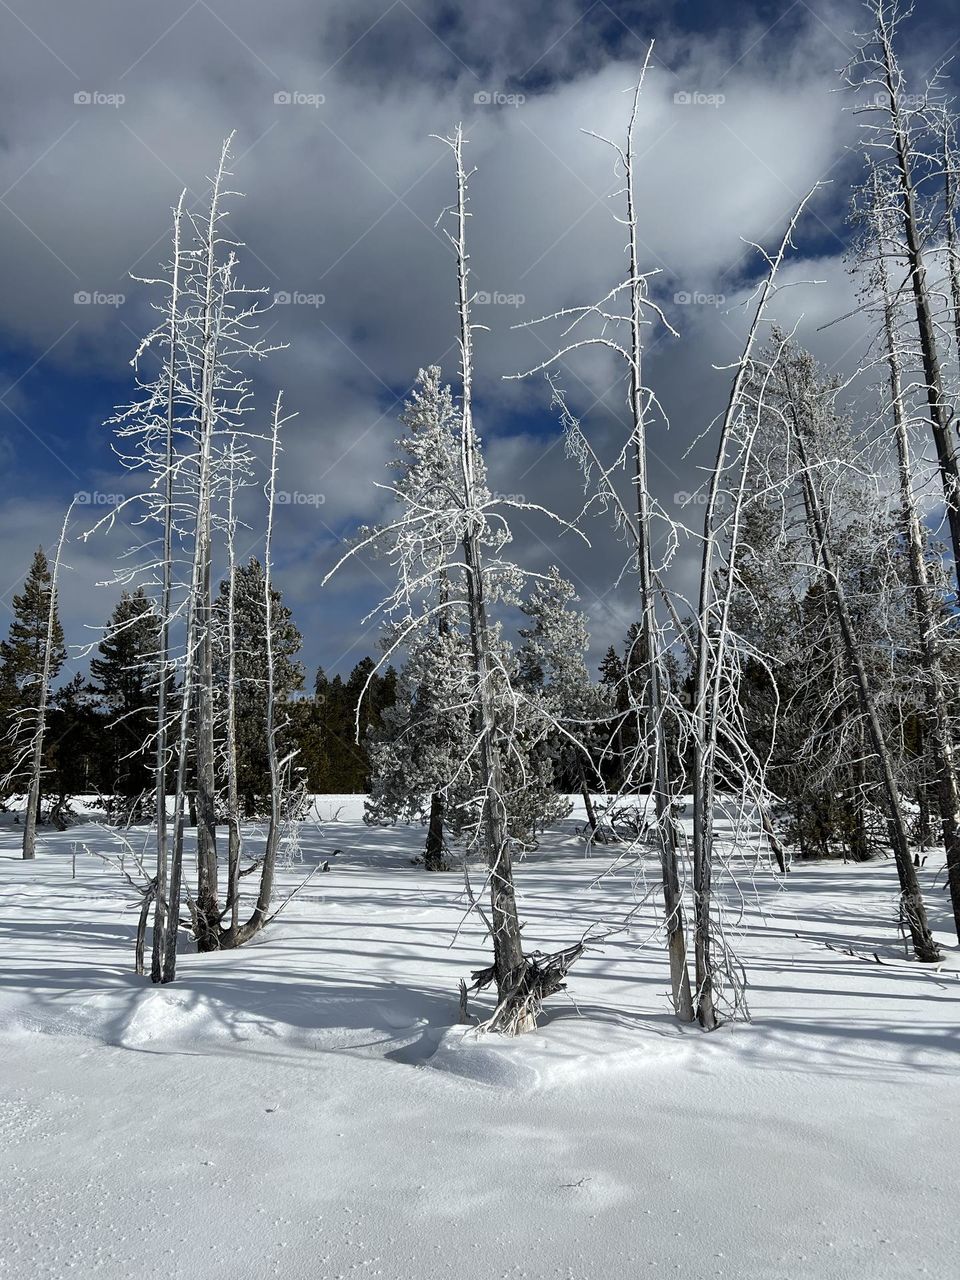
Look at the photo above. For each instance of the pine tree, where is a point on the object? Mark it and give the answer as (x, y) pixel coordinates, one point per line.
(125, 678)
(552, 664)
(22, 652)
(22, 656)
(80, 756)
(250, 660)
(420, 751)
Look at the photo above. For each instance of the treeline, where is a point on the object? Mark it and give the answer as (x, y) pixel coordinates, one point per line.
(98, 738)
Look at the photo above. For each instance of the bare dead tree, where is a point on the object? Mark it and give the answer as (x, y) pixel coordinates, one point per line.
(799, 418)
(446, 548)
(951, 159)
(234, 839)
(633, 295)
(38, 715)
(521, 984)
(183, 431)
(239, 933)
(211, 292)
(712, 667)
(160, 919)
(895, 131)
(938, 725)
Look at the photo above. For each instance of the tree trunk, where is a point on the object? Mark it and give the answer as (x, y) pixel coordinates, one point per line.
(36, 753)
(661, 788)
(30, 817)
(596, 832)
(940, 411)
(713, 617)
(937, 699)
(238, 934)
(521, 984)
(433, 853)
(161, 921)
(776, 845)
(208, 911)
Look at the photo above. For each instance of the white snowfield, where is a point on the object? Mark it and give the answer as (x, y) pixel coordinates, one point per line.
(307, 1107)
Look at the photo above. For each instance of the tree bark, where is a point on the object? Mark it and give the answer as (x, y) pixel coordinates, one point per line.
(36, 753)
(161, 919)
(433, 853)
(935, 689)
(940, 411)
(661, 788)
(515, 1012)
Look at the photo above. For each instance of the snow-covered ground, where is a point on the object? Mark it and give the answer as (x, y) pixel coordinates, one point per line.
(306, 1107)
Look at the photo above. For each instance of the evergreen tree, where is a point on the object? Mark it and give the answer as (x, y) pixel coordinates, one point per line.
(420, 750)
(124, 676)
(80, 755)
(250, 664)
(552, 665)
(22, 657)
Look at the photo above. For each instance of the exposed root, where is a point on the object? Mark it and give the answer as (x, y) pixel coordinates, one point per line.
(522, 996)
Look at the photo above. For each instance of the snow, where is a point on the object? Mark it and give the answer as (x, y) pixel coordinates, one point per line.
(308, 1107)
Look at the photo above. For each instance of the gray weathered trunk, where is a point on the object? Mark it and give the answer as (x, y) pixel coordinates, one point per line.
(939, 407)
(935, 689)
(911, 897)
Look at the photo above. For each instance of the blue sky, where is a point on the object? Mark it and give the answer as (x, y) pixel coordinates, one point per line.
(340, 201)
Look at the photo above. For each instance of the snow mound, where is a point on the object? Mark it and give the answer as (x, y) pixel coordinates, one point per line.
(563, 1052)
(166, 1018)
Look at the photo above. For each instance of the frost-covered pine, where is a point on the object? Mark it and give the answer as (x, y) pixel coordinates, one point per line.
(445, 547)
(552, 665)
(422, 747)
(422, 763)
(420, 754)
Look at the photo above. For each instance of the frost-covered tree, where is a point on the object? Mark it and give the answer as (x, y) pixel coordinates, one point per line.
(619, 323)
(181, 433)
(903, 133)
(460, 533)
(552, 664)
(420, 752)
(423, 767)
(802, 404)
(928, 614)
